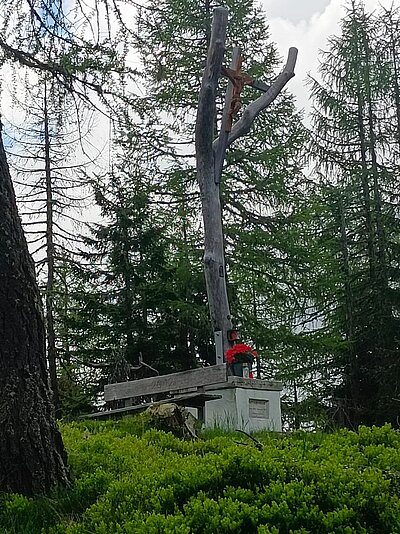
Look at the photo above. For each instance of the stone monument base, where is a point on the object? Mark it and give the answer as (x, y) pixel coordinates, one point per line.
(246, 404)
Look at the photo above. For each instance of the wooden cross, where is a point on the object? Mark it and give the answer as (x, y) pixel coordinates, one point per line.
(237, 81)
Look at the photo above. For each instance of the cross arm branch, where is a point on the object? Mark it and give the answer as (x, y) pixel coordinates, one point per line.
(242, 126)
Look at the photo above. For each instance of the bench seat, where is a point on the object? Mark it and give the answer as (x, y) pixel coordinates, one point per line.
(186, 388)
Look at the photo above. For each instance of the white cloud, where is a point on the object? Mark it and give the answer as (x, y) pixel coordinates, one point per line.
(308, 33)
(293, 10)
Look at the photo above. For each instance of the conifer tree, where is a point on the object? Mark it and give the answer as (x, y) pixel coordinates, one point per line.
(131, 307)
(351, 143)
(48, 165)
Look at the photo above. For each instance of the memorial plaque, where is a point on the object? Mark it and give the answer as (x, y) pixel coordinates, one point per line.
(258, 409)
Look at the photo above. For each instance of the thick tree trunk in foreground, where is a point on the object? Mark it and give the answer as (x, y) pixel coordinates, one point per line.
(32, 455)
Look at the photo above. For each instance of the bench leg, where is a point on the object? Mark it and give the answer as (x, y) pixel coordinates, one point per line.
(201, 413)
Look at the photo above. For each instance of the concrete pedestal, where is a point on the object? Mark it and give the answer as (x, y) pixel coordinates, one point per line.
(246, 404)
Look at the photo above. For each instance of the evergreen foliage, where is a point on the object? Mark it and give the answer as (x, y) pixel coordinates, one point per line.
(355, 123)
(51, 191)
(135, 298)
(312, 244)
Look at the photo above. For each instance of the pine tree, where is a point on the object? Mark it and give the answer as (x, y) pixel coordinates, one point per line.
(135, 297)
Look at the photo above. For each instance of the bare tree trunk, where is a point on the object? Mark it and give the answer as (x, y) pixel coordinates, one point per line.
(255, 313)
(32, 456)
(214, 261)
(345, 261)
(366, 195)
(131, 354)
(380, 226)
(296, 407)
(51, 336)
(209, 160)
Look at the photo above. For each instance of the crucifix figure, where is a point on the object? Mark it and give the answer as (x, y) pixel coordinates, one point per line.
(210, 155)
(238, 80)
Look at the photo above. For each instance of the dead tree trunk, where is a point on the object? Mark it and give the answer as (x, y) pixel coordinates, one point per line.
(32, 456)
(214, 262)
(50, 255)
(209, 161)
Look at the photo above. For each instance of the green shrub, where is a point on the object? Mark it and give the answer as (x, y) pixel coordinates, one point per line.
(130, 480)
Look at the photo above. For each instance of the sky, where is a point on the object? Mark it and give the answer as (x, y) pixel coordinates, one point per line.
(307, 24)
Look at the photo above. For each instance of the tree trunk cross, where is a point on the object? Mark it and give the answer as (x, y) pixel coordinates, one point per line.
(237, 81)
(210, 155)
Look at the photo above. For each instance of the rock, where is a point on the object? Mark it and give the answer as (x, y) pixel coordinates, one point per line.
(170, 417)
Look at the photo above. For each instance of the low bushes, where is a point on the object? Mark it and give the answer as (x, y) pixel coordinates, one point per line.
(129, 480)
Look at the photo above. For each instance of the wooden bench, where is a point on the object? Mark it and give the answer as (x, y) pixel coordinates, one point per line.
(186, 388)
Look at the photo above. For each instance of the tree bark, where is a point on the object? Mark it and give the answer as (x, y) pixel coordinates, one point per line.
(32, 455)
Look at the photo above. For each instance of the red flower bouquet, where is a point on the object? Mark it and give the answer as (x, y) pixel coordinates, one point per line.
(240, 353)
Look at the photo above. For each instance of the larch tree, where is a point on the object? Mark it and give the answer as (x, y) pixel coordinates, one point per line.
(33, 459)
(48, 163)
(352, 137)
(32, 456)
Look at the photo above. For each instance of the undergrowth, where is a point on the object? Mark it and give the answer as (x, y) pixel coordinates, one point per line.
(131, 480)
